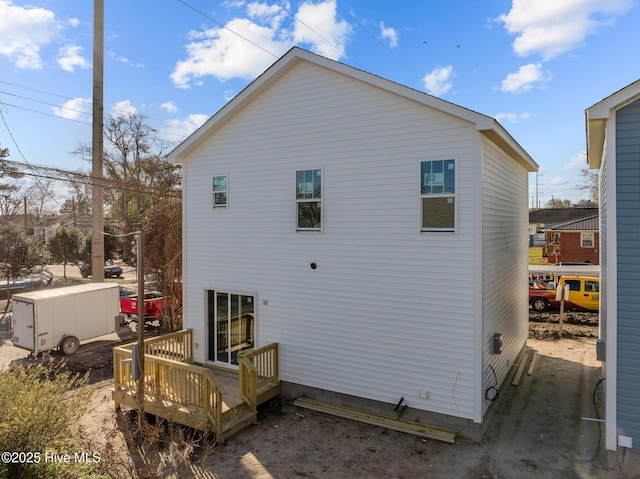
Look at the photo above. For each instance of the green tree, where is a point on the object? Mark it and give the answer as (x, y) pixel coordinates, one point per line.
(66, 247)
(111, 246)
(19, 254)
(9, 205)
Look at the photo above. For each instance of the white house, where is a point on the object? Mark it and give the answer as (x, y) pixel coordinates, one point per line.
(376, 233)
(613, 146)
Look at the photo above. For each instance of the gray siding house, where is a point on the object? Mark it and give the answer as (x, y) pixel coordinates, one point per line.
(613, 146)
(361, 225)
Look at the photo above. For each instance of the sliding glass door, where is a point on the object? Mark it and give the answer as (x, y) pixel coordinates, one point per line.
(231, 320)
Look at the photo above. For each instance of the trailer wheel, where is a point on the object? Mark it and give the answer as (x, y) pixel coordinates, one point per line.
(70, 345)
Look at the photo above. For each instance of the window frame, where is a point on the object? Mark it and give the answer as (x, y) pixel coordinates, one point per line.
(425, 196)
(318, 200)
(584, 235)
(225, 191)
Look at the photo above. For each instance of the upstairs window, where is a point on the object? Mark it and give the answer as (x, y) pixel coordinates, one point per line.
(309, 200)
(220, 190)
(438, 195)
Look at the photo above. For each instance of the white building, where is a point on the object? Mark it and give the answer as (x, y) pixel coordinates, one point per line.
(377, 233)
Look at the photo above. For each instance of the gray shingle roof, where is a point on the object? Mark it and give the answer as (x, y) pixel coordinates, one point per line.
(588, 223)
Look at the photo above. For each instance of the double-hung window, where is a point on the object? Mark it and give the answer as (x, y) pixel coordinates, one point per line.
(438, 195)
(586, 240)
(309, 200)
(220, 191)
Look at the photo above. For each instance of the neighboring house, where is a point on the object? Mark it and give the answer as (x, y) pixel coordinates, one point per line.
(573, 241)
(50, 224)
(543, 218)
(613, 146)
(376, 233)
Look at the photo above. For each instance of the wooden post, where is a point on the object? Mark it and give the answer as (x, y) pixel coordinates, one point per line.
(141, 352)
(561, 315)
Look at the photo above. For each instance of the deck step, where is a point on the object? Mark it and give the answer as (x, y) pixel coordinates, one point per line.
(402, 425)
(237, 419)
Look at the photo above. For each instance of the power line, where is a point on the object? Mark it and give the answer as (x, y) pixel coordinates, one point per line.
(76, 177)
(227, 28)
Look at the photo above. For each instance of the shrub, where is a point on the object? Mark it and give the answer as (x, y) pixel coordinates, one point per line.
(40, 405)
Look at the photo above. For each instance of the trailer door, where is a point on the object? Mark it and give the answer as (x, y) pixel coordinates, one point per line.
(23, 328)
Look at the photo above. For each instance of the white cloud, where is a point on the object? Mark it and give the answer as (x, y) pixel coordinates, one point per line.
(438, 82)
(179, 129)
(247, 46)
(73, 109)
(551, 27)
(558, 181)
(124, 108)
(390, 34)
(329, 36)
(577, 162)
(525, 78)
(512, 117)
(70, 57)
(24, 31)
(169, 107)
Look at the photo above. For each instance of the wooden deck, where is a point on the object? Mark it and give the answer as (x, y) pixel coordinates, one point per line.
(217, 401)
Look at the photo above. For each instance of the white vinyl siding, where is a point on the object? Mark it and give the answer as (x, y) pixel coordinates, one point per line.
(504, 267)
(388, 312)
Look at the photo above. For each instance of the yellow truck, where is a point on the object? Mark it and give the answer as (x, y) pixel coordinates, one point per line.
(584, 294)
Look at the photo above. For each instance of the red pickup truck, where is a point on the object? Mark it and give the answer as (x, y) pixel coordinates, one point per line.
(153, 306)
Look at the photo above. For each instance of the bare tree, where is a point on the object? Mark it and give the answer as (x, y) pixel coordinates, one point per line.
(590, 184)
(163, 247)
(133, 158)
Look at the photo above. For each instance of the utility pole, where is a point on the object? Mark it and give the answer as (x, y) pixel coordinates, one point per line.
(97, 189)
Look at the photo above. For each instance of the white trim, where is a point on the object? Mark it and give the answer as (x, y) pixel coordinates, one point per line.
(611, 354)
(311, 200)
(478, 299)
(215, 362)
(584, 234)
(213, 193)
(455, 195)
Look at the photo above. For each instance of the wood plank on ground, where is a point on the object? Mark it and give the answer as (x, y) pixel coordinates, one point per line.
(402, 425)
(521, 366)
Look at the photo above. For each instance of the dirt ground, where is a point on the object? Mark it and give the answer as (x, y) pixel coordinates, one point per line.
(541, 428)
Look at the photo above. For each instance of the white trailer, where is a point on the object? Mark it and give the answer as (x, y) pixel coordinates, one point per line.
(62, 317)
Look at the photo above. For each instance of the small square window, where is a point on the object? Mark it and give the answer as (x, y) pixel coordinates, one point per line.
(220, 187)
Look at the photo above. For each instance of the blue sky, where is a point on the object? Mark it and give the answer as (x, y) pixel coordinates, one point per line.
(535, 65)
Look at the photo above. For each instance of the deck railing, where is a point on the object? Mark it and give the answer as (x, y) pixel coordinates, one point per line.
(175, 346)
(170, 377)
(257, 368)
